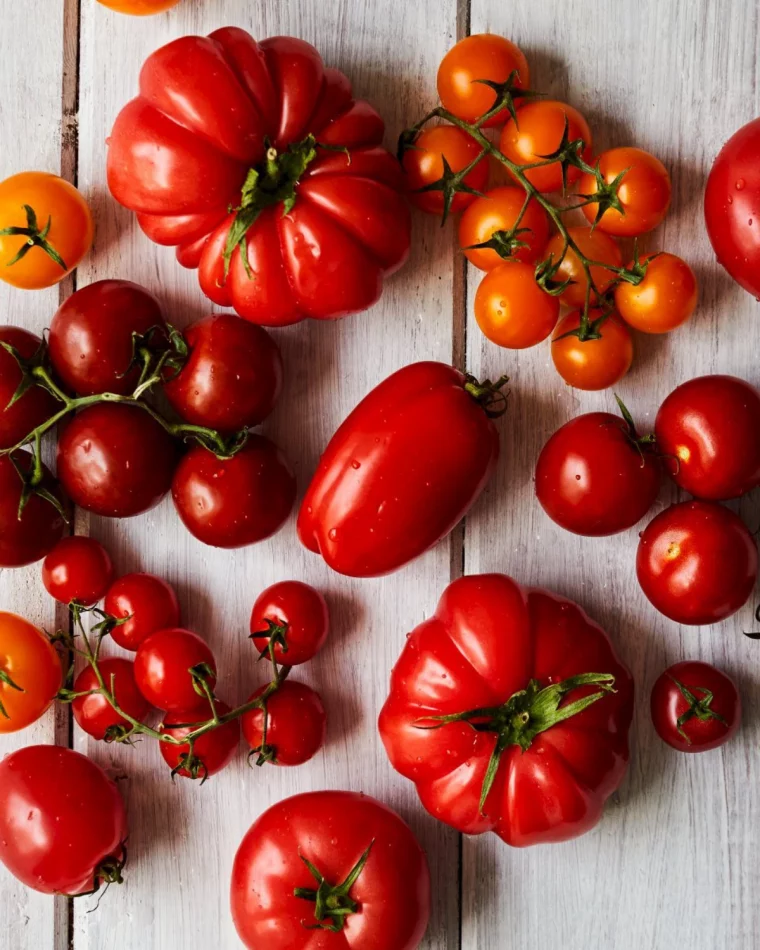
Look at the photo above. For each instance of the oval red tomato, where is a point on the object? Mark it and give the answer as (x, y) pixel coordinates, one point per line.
(28, 538)
(296, 725)
(35, 405)
(77, 570)
(94, 714)
(162, 670)
(695, 707)
(211, 751)
(145, 604)
(294, 615)
(30, 673)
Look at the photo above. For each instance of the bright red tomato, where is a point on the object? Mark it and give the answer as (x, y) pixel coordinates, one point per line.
(511, 309)
(294, 616)
(480, 682)
(695, 707)
(145, 603)
(77, 570)
(644, 191)
(401, 471)
(597, 246)
(162, 670)
(665, 298)
(223, 122)
(592, 364)
(212, 752)
(30, 673)
(423, 164)
(35, 405)
(491, 219)
(63, 825)
(94, 714)
(697, 562)
(28, 538)
(296, 725)
(360, 855)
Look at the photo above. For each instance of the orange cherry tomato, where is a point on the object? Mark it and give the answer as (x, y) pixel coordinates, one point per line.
(644, 191)
(45, 229)
(539, 132)
(423, 165)
(511, 309)
(592, 364)
(482, 56)
(30, 673)
(597, 247)
(496, 212)
(139, 7)
(665, 298)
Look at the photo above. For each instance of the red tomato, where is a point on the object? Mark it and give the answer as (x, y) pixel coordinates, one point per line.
(495, 661)
(229, 503)
(697, 562)
(423, 164)
(592, 364)
(400, 472)
(664, 299)
(294, 616)
(62, 821)
(644, 191)
(94, 714)
(115, 460)
(325, 840)
(28, 538)
(695, 707)
(77, 570)
(162, 670)
(597, 246)
(511, 309)
(145, 603)
(35, 405)
(224, 122)
(593, 478)
(30, 673)
(211, 752)
(732, 206)
(708, 431)
(492, 217)
(296, 725)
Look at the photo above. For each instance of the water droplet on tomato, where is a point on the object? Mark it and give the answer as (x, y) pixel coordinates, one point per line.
(332, 534)
(740, 183)
(730, 200)
(356, 464)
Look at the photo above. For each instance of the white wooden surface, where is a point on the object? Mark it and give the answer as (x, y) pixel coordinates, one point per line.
(674, 861)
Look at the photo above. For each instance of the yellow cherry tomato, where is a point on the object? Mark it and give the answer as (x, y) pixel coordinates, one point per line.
(139, 7)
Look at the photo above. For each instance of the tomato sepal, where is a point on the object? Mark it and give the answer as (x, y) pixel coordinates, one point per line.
(489, 395)
(35, 236)
(332, 901)
(5, 678)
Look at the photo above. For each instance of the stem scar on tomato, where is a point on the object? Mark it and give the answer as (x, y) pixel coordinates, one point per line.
(332, 901)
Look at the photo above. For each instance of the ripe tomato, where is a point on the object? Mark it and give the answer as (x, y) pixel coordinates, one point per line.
(597, 246)
(423, 164)
(229, 503)
(664, 299)
(480, 56)
(592, 364)
(400, 472)
(537, 133)
(695, 707)
(115, 460)
(325, 840)
(211, 752)
(62, 821)
(296, 725)
(708, 431)
(162, 670)
(231, 377)
(293, 615)
(28, 538)
(312, 232)
(145, 603)
(30, 673)
(77, 570)
(644, 191)
(511, 309)
(697, 562)
(139, 7)
(35, 405)
(94, 714)
(480, 682)
(487, 218)
(92, 336)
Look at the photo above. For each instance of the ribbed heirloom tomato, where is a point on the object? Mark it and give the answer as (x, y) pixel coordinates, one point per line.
(30, 673)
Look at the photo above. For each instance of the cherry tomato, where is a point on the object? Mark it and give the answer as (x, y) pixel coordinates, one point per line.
(423, 165)
(30, 673)
(597, 246)
(36, 405)
(480, 56)
(695, 707)
(697, 562)
(115, 460)
(211, 752)
(296, 724)
(708, 431)
(295, 615)
(644, 191)
(139, 7)
(77, 570)
(145, 603)
(28, 538)
(511, 309)
(94, 714)
(592, 364)
(162, 669)
(665, 298)
(496, 212)
(537, 133)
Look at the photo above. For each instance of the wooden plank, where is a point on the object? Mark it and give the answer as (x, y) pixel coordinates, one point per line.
(674, 861)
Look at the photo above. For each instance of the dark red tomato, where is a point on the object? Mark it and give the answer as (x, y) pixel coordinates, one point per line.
(232, 375)
(732, 206)
(162, 670)
(499, 659)
(226, 122)
(341, 838)
(94, 713)
(697, 562)
(400, 472)
(695, 707)
(708, 430)
(62, 821)
(77, 570)
(115, 460)
(28, 538)
(145, 603)
(296, 724)
(229, 503)
(293, 615)
(36, 405)
(593, 478)
(211, 752)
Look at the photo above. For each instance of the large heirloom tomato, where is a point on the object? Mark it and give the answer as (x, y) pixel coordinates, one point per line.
(509, 710)
(255, 160)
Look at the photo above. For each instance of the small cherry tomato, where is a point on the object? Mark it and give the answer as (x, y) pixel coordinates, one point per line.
(145, 603)
(139, 7)
(695, 707)
(30, 673)
(293, 615)
(511, 309)
(697, 562)
(592, 364)
(35, 405)
(492, 218)
(665, 298)
(28, 538)
(596, 246)
(94, 714)
(644, 191)
(77, 570)
(162, 669)
(296, 725)
(211, 751)
(423, 164)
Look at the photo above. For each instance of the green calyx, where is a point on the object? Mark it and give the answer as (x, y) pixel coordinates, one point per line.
(276, 634)
(506, 94)
(35, 237)
(504, 243)
(699, 708)
(489, 396)
(6, 680)
(332, 902)
(606, 195)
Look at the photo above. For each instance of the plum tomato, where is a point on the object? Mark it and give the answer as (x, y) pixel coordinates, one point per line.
(511, 308)
(296, 724)
(423, 164)
(35, 405)
(295, 617)
(592, 364)
(665, 298)
(30, 673)
(211, 752)
(644, 191)
(77, 570)
(489, 220)
(94, 714)
(144, 604)
(28, 538)
(596, 246)
(695, 707)
(162, 669)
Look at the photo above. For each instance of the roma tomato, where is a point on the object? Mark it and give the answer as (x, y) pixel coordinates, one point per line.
(30, 673)
(509, 710)
(697, 562)
(35, 405)
(511, 309)
(490, 220)
(597, 246)
(708, 431)
(424, 165)
(296, 725)
(94, 714)
(144, 604)
(665, 298)
(139, 7)
(211, 752)
(292, 616)
(592, 364)
(230, 503)
(28, 538)
(77, 570)
(363, 858)
(224, 122)
(695, 707)
(644, 192)
(401, 470)
(63, 825)
(162, 670)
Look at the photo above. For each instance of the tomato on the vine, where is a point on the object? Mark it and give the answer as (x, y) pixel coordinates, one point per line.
(596, 246)
(35, 405)
(77, 569)
(663, 300)
(511, 308)
(144, 604)
(643, 193)
(695, 707)
(592, 364)
(296, 724)
(28, 538)
(30, 673)
(94, 714)
(424, 165)
(162, 670)
(139, 7)
(292, 615)
(492, 218)
(211, 752)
